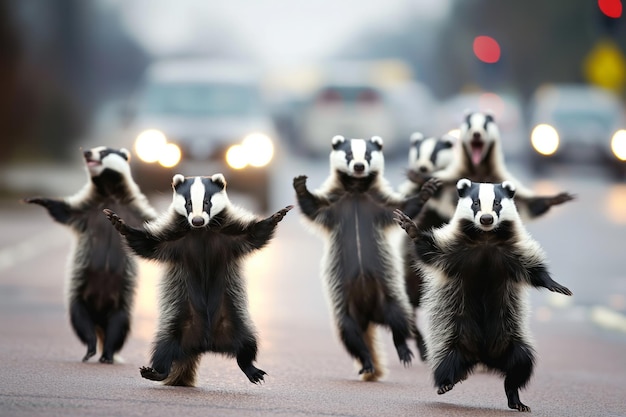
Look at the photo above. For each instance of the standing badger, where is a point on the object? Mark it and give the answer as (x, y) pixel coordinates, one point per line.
(102, 275)
(477, 270)
(426, 155)
(202, 240)
(480, 159)
(360, 266)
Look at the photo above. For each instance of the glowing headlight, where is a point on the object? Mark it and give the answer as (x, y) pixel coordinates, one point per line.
(259, 149)
(170, 155)
(544, 139)
(149, 145)
(618, 144)
(236, 157)
(256, 149)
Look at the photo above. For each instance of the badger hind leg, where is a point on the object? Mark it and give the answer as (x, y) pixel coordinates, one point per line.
(450, 370)
(84, 327)
(359, 343)
(246, 354)
(183, 372)
(518, 367)
(378, 359)
(115, 334)
(398, 322)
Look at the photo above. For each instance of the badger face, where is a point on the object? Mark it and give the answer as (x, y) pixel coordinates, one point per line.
(478, 135)
(431, 154)
(199, 199)
(486, 205)
(357, 157)
(100, 158)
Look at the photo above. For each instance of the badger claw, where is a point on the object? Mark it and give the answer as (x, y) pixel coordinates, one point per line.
(406, 223)
(299, 183)
(116, 221)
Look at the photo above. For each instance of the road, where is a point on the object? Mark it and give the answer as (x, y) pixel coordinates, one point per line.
(581, 342)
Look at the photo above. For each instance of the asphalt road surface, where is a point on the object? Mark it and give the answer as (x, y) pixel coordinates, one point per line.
(581, 342)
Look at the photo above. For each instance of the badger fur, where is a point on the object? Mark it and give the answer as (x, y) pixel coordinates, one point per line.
(102, 275)
(426, 155)
(477, 270)
(361, 269)
(480, 159)
(202, 241)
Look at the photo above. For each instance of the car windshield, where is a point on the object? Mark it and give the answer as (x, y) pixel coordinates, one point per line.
(201, 100)
(588, 117)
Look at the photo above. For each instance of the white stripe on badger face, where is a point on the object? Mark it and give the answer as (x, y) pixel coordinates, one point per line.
(359, 148)
(486, 197)
(197, 192)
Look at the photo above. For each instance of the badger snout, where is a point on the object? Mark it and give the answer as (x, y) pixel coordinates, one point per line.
(423, 169)
(197, 221)
(359, 167)
(477, 136)
(486, 219)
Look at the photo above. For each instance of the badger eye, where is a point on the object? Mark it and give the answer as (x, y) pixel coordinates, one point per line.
(496, 205)
(476, 204)
(188, 205)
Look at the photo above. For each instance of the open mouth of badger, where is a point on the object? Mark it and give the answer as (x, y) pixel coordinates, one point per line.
(90, 161)
(477, 146)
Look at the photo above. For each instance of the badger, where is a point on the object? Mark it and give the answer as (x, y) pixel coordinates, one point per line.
(480, 159)
(426, 155)
(202, 241)
(361, 269)
(102, 275)
(477, 269)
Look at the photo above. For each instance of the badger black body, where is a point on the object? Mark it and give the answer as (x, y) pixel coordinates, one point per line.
(202, 241)
(477, 270)
(479, 158)
(360, 267)
(102, 275)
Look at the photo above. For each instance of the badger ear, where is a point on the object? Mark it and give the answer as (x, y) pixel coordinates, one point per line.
(177, 179)
(463, 186)
(489, 116)
(337, 140)
(448, 140)
(415, 136)
(378, 141)
(126, 154)
(218, 179)
(509, 187)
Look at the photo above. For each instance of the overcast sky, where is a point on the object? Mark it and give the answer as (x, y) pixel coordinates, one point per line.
(280, 32)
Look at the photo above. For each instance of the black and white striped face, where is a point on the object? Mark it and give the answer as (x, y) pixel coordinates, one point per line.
(486, 205)
(100, 158)
(199, 199)
(478, 134)
(357, 157)
(431, 154)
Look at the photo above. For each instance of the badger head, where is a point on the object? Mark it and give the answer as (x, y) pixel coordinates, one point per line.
(479, 133)
(199, 199)
(102, 158)
(431, 154)
(485, 205)
(357, 158)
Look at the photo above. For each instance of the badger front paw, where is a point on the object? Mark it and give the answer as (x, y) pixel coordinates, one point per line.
(299, 184)
(416, 177)
(280, 214)
(429, 189)
(406, 223)
(561, 198)
(37, 200)
(556, 287)
(116, 221)
(151, 374)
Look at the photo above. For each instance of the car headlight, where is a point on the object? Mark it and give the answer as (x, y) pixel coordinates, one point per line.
(545, 139)
(256, 149)
(151, 146)
(618, 144)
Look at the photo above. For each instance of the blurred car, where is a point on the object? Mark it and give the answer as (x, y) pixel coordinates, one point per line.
(507, 111)
(205, 114)
(360, 100)
(578, 123)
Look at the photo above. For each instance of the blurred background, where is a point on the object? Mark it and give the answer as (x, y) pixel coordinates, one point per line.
(294, 73)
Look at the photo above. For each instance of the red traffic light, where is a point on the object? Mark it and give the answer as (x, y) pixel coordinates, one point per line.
(611, 8)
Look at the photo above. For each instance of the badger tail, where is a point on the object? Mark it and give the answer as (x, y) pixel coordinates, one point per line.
(375, 347)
